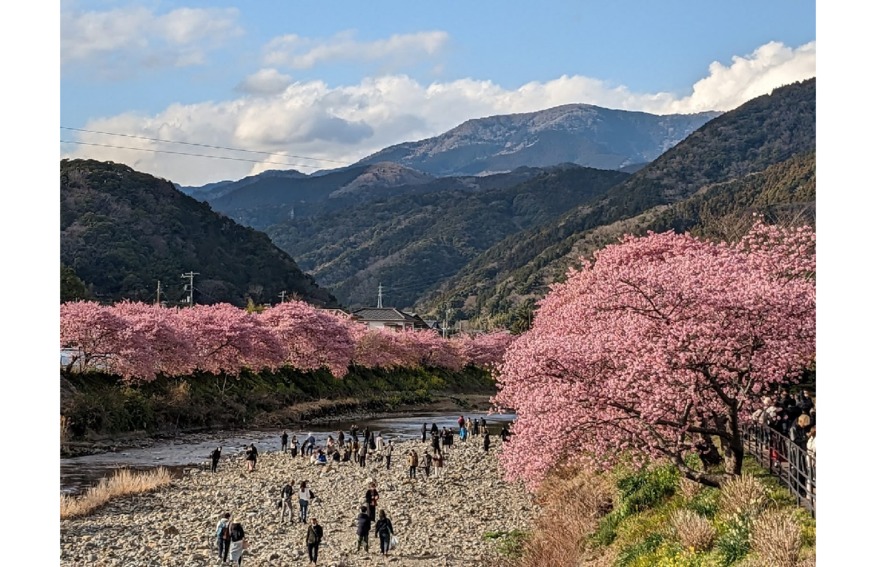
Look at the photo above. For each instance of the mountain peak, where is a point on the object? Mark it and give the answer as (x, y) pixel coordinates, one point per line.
(583, 134)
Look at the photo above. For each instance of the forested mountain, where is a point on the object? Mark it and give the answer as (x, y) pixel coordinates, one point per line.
(268, 199)
(583, 134)
(123, 231)
(410, 243)
(763, 132)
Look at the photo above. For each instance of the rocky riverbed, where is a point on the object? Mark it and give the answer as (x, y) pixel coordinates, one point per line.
(438, 521)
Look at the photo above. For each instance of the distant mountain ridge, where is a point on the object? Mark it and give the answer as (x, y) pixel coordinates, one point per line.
(582, 134)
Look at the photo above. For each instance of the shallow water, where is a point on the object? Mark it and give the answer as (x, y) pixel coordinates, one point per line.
(79, 473)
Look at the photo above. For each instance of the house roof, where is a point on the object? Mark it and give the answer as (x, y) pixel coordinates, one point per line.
(388, 314)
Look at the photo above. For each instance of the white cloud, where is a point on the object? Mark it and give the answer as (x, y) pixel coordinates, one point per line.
(296, 52)
(111, 40)
(771, 65)
(265, 82)
(347, 123)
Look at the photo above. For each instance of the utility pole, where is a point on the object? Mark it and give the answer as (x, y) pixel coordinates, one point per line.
(446, 312)
(190, 287)
(158, 294)
(282, 296)
(379, 296)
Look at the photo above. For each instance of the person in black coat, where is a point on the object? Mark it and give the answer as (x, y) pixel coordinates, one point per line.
(251, 455)
(284, 441)
(486, 439)
(313, 539)
(214, 458)
(423, 431)
(383, 528)
(363, 526)
(798, 434)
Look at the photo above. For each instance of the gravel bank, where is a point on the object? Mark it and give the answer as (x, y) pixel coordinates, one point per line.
(438, 521)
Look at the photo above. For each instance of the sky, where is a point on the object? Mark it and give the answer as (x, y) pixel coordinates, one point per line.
(312, 85)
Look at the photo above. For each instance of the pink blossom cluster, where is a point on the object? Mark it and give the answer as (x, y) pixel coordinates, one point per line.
(139, 342)
(659, 342)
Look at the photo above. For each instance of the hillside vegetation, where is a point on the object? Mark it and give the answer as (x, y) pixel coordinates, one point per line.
(653, 518)
(412, 242)
(123, 231)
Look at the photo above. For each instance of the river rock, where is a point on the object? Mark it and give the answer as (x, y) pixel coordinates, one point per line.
(438, 521)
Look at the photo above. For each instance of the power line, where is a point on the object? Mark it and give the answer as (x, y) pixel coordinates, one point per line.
(185, 154)
(196, 144)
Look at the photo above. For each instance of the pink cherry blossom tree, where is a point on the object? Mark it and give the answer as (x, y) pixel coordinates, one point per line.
(382, 348)
(310, 338)
(224, 340)
(485, 350)
(422, 347)
(661, 344)
(92, 334)
(155, 343)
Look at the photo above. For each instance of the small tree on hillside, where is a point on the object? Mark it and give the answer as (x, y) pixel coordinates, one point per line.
(662, 342)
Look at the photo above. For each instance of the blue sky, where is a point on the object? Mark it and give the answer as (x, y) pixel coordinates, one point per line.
(332, 82)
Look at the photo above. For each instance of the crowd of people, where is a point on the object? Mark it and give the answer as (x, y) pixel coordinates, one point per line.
(793, 417)
(355, 447)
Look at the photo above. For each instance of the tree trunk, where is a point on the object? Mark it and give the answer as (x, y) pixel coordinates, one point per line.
(708, 453)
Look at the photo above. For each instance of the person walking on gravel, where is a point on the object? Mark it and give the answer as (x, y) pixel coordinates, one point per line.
(363, 526)
(305, 496)
(387, 452)
(384, 532)
(223, 536)
(313, 539)
(214, 458)
(286, 501)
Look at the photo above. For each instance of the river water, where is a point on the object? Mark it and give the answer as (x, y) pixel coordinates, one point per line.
(79, 473)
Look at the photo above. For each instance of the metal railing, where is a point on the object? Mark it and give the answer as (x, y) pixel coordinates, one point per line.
(793, 466)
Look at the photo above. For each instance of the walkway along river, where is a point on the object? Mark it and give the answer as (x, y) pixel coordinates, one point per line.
(78, 473)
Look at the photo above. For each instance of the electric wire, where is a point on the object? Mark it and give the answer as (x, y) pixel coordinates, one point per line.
(186, 154)
(196, 144)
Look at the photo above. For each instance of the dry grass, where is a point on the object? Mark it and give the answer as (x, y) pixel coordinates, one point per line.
(689, 488)
(571, 507)
(743, 495)
(123, 483)
(693, 530)
(777, 539)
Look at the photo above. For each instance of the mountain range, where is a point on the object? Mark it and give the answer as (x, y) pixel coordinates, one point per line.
(479, 221)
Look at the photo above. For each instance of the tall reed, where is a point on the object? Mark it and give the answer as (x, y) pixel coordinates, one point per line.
(124, 482)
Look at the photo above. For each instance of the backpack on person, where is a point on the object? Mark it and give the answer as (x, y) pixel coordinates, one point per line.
(236, 532)
(222, 532)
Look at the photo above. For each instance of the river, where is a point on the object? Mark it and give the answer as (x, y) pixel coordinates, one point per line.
(79, 473)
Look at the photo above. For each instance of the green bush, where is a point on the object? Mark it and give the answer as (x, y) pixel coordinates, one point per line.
(734, 538)
(646, 488)
(510, 544)
(606, 530)
(103, 404)
(645, 547)
(705, 503)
